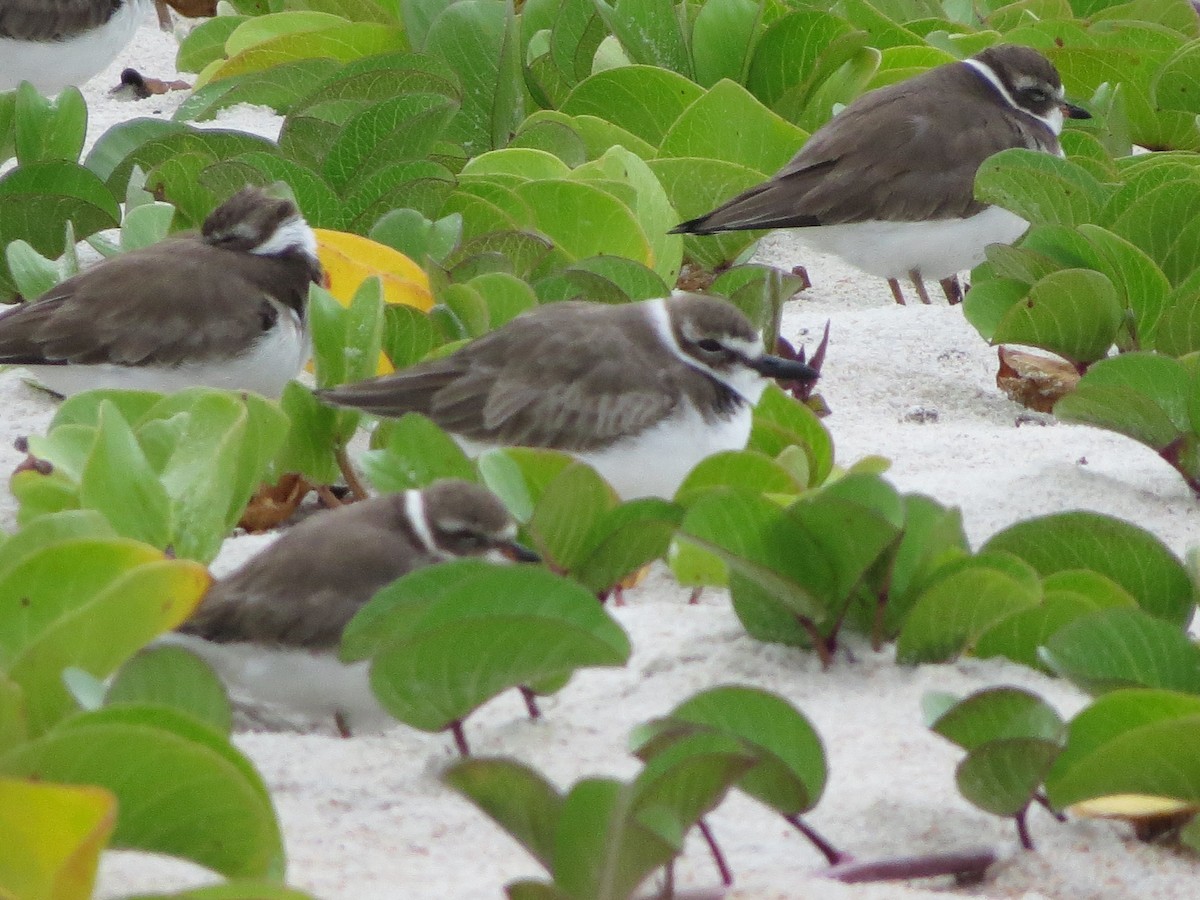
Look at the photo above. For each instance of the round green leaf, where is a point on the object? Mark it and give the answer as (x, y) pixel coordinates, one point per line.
(641, 99)
(996, 714)
(949, 616)
(1130, 742)
(791, 771)
(1117, 648)
(199, 791)
(1129, 555)
(1002, 776)
(1073, 312)
(1042, 188)
(171, 676)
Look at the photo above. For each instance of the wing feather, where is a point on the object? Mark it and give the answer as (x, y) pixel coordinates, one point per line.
(560, 376)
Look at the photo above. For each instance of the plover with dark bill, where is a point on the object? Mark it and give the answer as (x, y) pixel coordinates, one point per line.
(888, 184)
(641, 391)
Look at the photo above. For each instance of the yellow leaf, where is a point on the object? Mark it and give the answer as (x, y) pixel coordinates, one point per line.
(350, 259)
(1130, 806)
(52, 835)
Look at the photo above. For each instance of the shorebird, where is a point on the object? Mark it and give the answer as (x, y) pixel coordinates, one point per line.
(271, 629)
(641, 392)
(56, 43)
(223, 308)
(888, 183)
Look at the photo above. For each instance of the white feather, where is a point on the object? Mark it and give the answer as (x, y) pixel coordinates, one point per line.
(937, 248)
(297, 687)
(53, 65)
(274, 360)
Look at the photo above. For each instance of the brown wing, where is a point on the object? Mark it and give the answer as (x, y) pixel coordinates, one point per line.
(128, 309)
(897, 154)
(51, 20)
(566, 375)
(304, 589)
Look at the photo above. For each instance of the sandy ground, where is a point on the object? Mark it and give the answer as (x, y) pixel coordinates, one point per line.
(367, 818)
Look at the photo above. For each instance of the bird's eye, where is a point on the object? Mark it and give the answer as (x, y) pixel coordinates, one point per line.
(468, 539)
(708, 345)
(1035, 95)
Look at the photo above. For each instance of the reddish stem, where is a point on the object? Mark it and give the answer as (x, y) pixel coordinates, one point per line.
(717, 855)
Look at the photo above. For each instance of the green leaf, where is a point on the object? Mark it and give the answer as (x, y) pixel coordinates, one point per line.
(480, 41)
(994, 714)
(797, 53)
(344, 42)
(1163, 224)
(651, 206)
(1073, 312)
(117, 480)
(1042, 188)
(723, 39)
(205, 44)
(748, 470)
(1140, 283)
(37, 200)
(790, 773)
(1119, 648)
(412, 453)
(515, 797)
(477, 631)
(584, 220)
(641, 99)
(1130, 742)
(173, 677)
(90, 604)
(933, 534)
(948, 617)
(1002, 776)
(520, 475)
(773, 551)
(729, 124)
(696, 186)
(201, 791)
(649, 32)
(567, 513)
(49, 129)
(1129, 555)
(32, 274)
(780, 422)
(1141, 395)
(600, 849)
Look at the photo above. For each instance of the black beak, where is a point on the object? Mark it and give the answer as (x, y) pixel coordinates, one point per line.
(783, 369)
(1071, 111)
(518, 552)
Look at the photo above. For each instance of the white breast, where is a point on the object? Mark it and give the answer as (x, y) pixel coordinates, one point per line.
(52, 65)
(655, 462)
(274, 360)
(296, 688)
(936, 249)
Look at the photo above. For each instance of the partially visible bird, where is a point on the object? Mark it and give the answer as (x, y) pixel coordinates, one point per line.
(271, 629)
(888, 183)
(224, 308)
(642, 392)
(56, 43)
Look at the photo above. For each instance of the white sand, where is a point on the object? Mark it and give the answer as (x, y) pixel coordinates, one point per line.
(367, 818)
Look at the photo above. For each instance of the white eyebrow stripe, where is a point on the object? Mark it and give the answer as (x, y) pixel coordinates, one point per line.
(414, 508)
(1054, 124)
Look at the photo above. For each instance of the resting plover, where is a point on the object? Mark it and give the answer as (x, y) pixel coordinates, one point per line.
(271, 629)
(888, 183)
(642, 391)
(223, 308)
